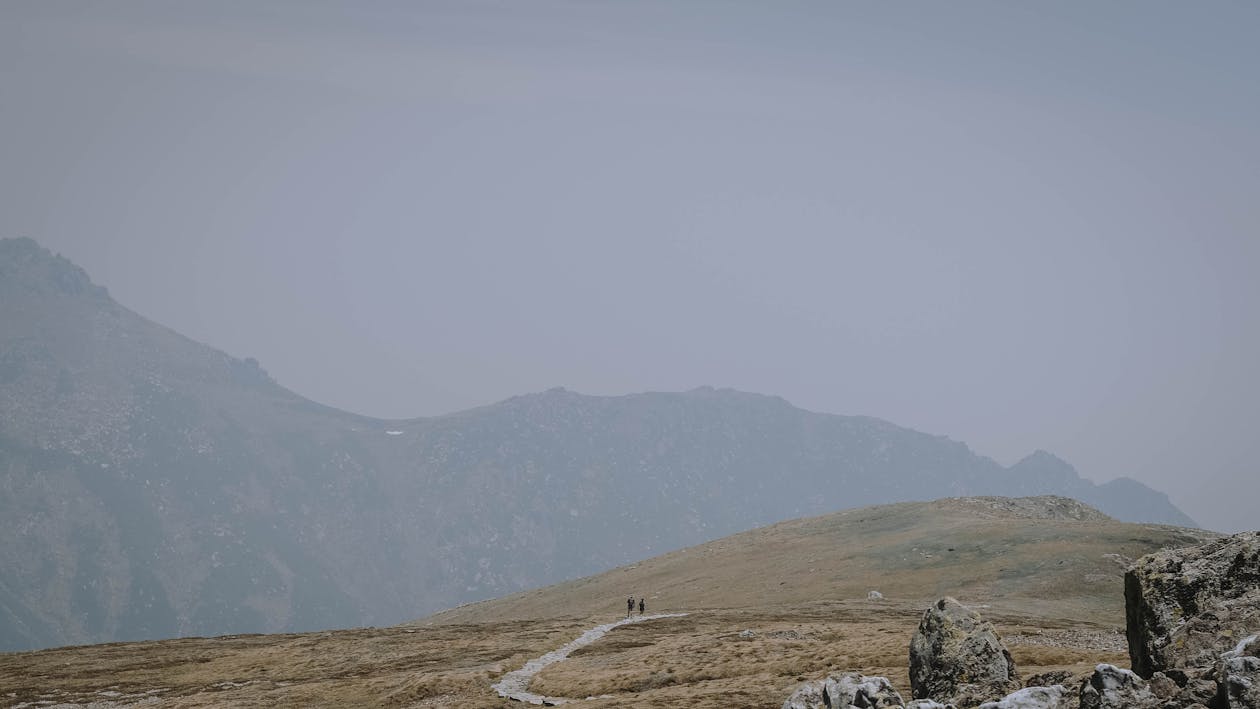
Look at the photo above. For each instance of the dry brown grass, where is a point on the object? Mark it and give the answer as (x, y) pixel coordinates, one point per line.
(696, 661)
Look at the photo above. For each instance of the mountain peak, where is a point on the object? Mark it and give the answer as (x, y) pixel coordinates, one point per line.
(1041, 457)
(27, 266)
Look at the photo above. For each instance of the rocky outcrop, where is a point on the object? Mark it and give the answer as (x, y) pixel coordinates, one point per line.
(1053, 697)
(1185, 607)
(955, 656)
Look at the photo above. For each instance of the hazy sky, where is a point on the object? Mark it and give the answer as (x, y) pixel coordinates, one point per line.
(1020, 225)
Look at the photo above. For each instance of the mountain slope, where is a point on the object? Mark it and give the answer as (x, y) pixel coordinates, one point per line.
(151, 486)
(1044, 557)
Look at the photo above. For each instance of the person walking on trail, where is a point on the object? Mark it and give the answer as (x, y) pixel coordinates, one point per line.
(629, 606)
(641, 605)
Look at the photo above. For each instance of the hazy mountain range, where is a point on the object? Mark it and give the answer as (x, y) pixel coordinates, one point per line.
(151, 486)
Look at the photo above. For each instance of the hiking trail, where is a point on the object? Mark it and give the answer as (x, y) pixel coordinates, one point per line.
(515, 684)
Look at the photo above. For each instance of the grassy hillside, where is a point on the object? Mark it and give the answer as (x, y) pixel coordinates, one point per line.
(767, 609)
(1044, 556)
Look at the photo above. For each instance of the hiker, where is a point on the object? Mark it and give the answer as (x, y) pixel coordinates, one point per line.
(641, 606)
(629, 606)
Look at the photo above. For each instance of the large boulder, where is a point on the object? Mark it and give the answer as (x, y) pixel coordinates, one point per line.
(955, 656)
(1185, 607)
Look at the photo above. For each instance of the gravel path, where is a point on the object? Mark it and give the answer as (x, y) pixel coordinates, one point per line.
(515, 684)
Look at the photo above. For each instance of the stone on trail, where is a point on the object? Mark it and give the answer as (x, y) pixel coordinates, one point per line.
(1053, 697)
(955, 656)
(1185, 607)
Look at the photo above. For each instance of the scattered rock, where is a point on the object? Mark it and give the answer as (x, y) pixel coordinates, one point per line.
(874, 596)
(747, 633)
(1067, 678)
(1113, 688)
(1107, 641)
(956, 656)
(1239, 675)
(1163, 687)
(1185, 607)
(1053, 697)
(1198, 692)
(928, 704)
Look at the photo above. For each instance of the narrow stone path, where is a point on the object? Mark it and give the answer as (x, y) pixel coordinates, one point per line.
(515, 684)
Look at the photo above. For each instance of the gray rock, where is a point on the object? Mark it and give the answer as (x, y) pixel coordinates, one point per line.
(928, 704)
(1053, 697)
(855, 691)
(747, 633)
(846, 691)
(1163, 687)
(874, 596)
(957, 657)
(806, 696)
(1239, 675)
(1198, 691)
(1113, 688)
(1184, 607)
(1067, 678)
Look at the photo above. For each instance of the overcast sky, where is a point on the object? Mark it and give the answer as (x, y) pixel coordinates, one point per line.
(1019, 225)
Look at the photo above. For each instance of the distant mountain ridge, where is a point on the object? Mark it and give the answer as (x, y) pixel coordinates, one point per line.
(151, 486)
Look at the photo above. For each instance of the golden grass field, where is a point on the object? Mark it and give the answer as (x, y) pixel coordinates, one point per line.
(1052, 586)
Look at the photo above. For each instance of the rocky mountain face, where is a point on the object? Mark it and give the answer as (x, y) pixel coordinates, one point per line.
(151, 486)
